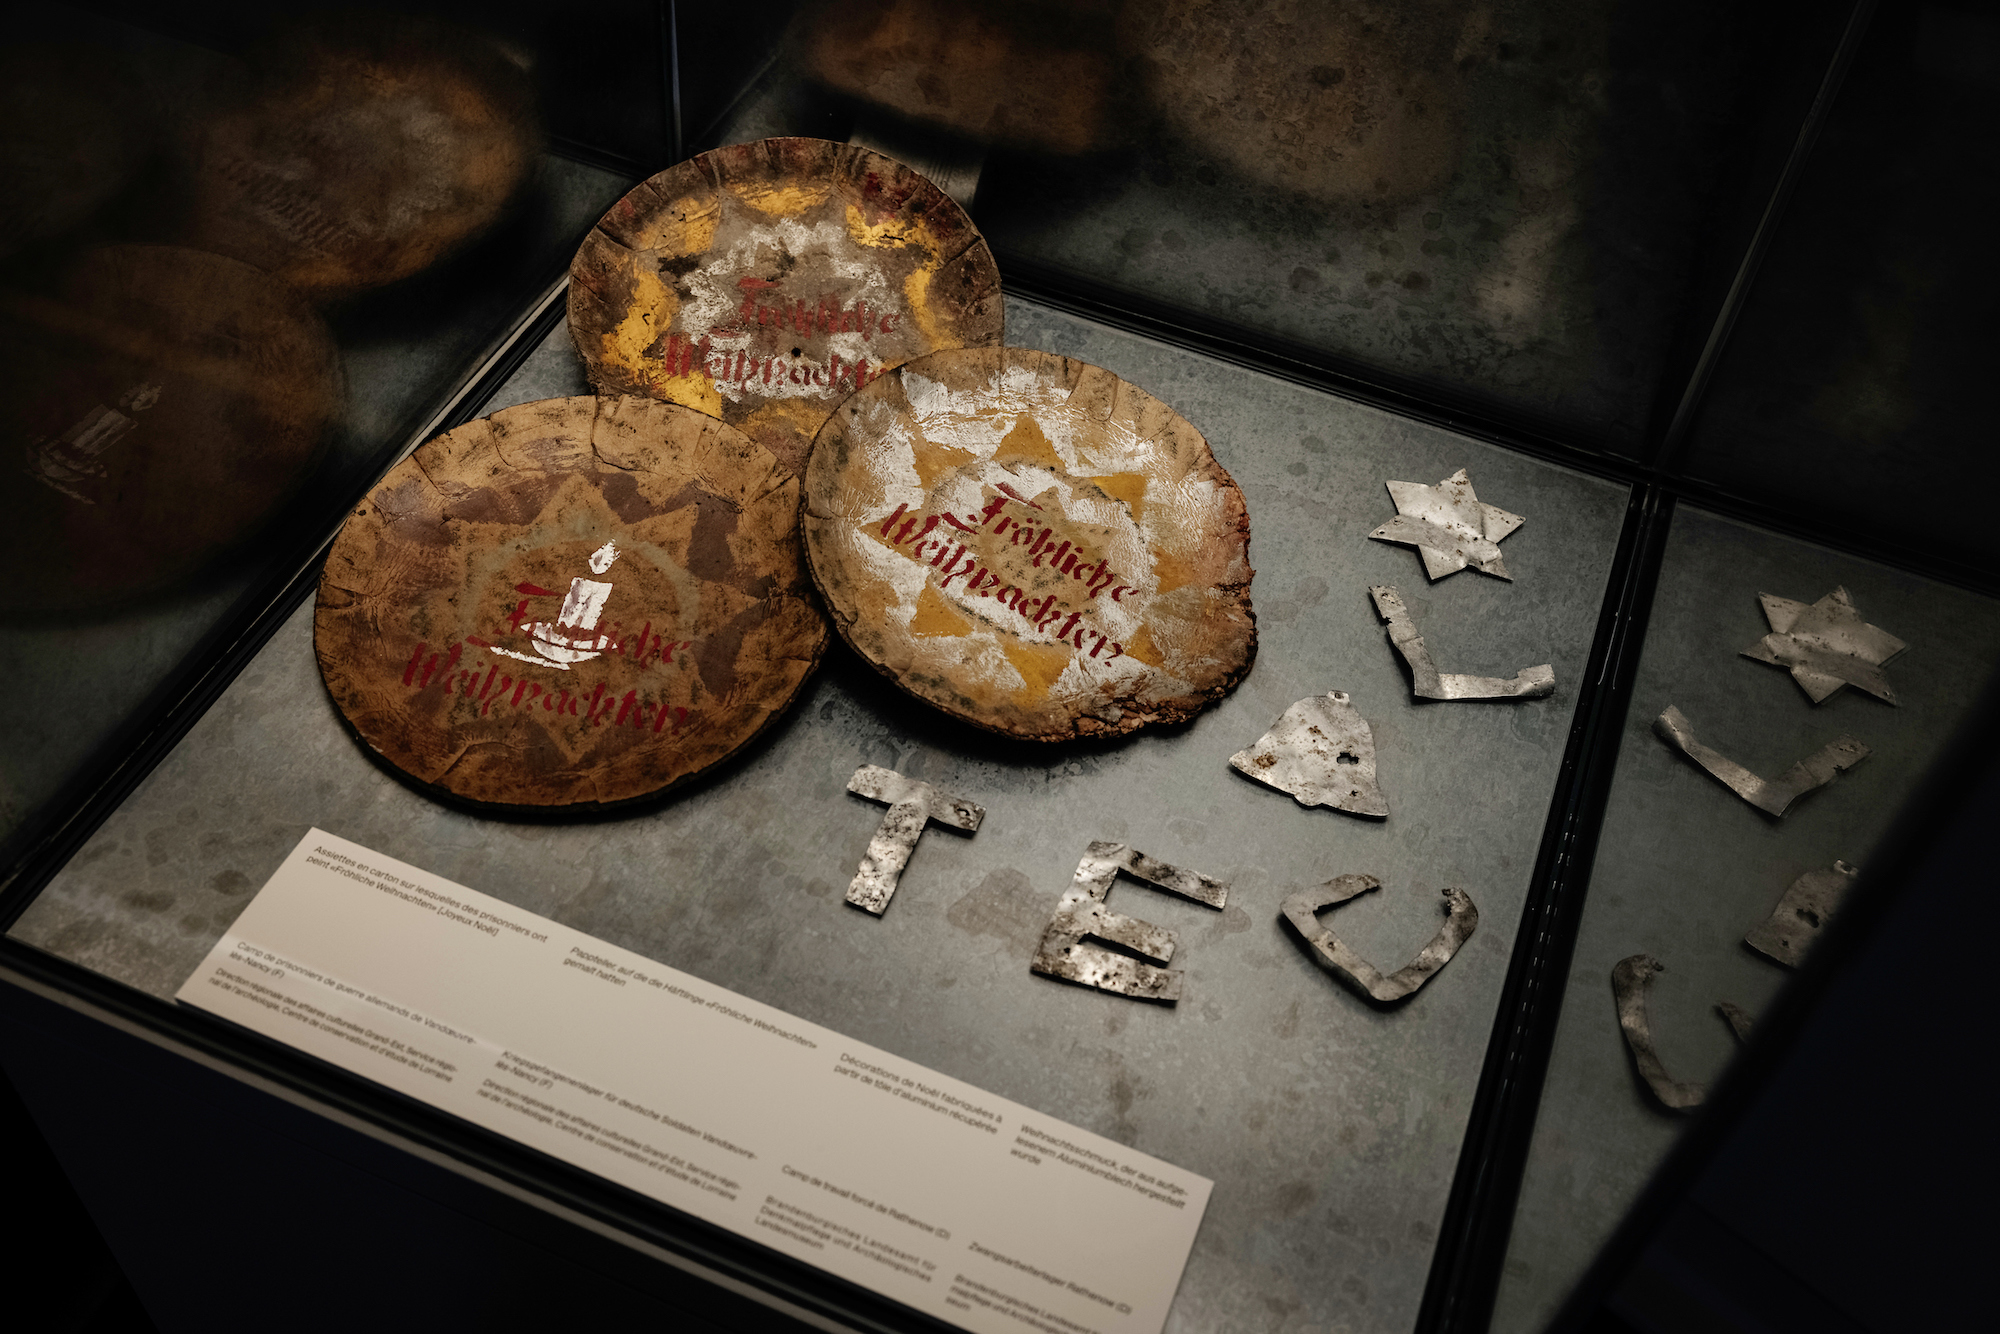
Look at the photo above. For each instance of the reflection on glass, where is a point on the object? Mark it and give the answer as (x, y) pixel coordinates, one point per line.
(71, 138)
(163, 403)
(1025, 73)
(1500, 201)
(232, 283)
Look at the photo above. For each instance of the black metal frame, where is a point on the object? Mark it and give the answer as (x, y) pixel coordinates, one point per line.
(1466, 1266)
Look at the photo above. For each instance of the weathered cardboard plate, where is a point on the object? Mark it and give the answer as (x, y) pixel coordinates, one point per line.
(1032, 545)
(156, 411)
(765, 282)
(570, 605)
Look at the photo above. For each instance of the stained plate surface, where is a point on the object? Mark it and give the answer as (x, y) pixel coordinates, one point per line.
(763, 283)
(571, 604)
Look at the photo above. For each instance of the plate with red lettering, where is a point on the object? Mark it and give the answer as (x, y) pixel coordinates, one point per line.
(569, 606)
(1031, 544)
(763, 283)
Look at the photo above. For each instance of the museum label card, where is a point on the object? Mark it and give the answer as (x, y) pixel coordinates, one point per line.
(964, 1205)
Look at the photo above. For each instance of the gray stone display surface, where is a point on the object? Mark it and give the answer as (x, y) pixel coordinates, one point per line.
(1331, 1129)
(1685, 867)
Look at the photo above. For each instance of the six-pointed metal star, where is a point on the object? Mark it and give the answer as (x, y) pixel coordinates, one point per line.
(1449, 526)
(1826, 646)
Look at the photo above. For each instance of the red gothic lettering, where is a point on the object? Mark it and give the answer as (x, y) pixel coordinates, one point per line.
(957, 571)
(450, 663)
(500, 694)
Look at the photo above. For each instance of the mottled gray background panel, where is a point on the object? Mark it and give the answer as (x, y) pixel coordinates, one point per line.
(1331, 1130)
(1685, 867)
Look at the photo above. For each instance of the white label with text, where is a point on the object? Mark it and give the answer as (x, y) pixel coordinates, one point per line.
(977, 1210)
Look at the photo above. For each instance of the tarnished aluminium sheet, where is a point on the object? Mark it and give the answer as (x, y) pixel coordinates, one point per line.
(912, 805)
(1301, 911)
(1322, 752)
(1082, 916)
(1826, 646)
(1449, 526)
(1796, 922)
(1772, 796)
(1630, 981)
(1429, 683)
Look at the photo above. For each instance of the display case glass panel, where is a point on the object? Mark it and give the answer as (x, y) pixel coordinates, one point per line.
(1637, 272)
(1331, 1128)
(1686, 868)
(106, 646)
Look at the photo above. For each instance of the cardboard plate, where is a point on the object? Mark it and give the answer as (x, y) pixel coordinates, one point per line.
(765, 282)
(569, 606)
(1031, 544)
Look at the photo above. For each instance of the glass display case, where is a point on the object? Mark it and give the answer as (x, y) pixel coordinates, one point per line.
(1691, 293)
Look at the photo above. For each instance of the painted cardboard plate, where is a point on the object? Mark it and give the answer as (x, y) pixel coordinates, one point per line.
(1032, 545)
(155, 412)
(569, 606)
(1354, 105)
(765, 282)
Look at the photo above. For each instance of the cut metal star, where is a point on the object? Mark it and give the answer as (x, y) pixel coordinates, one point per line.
(1449, 526)
(1826, 646)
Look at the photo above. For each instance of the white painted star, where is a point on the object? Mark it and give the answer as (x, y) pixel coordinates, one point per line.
(1449, 526)
(1826, 645)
